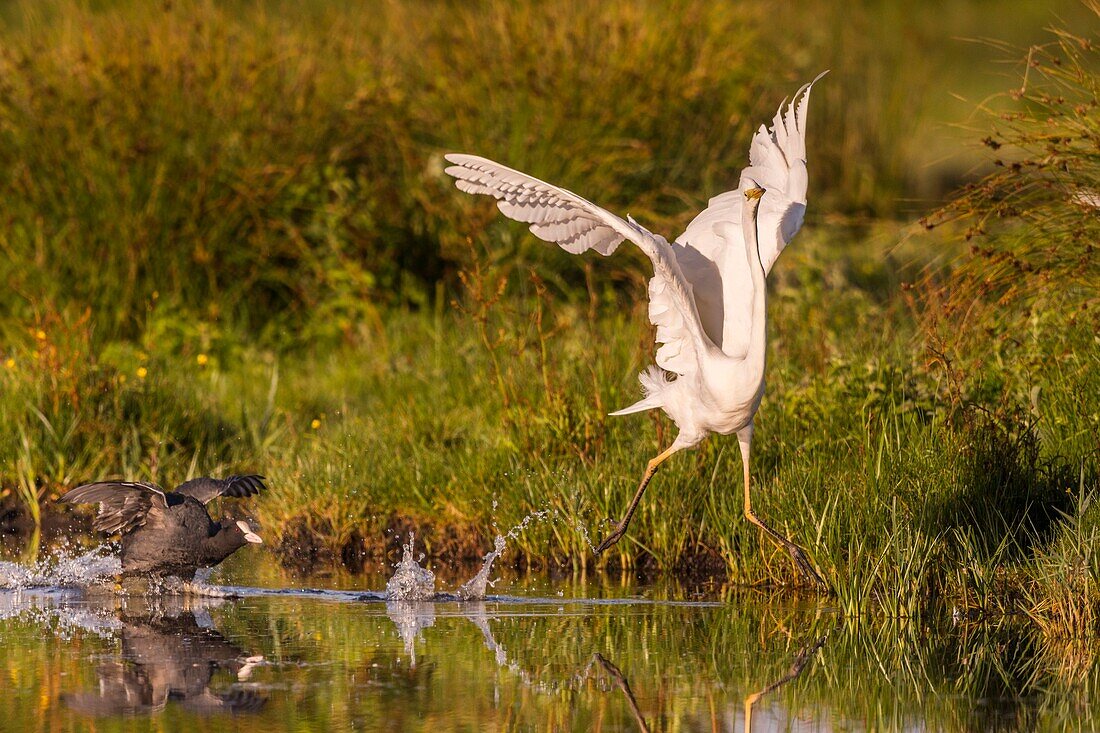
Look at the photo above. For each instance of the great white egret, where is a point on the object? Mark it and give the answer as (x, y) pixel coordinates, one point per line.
(707, 294)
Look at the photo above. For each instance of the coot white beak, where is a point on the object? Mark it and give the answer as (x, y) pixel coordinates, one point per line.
(249, 535)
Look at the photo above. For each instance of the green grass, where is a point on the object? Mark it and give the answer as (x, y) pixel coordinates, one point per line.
(230, 246)
(274, 169)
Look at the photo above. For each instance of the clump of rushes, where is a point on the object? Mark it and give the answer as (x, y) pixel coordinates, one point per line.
(1033, 223)
(1062, 595)
(1013, 326)
(1026, 296)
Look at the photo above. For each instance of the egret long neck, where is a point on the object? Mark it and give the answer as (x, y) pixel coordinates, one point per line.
(758, 334)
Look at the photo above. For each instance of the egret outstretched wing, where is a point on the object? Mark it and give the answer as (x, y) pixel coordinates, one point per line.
(576, 225)
(555, 215)
(777, 162)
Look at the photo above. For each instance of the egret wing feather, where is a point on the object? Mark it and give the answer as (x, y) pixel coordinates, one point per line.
(577, 225)
(718, 274)
(553, 214)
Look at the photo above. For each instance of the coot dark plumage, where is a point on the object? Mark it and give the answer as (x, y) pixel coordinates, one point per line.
(169, 532)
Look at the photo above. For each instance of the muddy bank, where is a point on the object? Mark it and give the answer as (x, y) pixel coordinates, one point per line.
(304, 547)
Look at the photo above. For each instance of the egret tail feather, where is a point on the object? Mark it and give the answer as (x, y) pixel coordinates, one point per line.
(655, 381)
(639, 406)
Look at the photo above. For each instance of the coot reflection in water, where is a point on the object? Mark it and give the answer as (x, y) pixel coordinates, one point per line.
(170, 655)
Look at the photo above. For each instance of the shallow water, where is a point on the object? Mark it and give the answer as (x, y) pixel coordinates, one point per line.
(581, 654)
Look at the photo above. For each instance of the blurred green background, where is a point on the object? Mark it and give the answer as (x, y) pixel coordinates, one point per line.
(274, 168)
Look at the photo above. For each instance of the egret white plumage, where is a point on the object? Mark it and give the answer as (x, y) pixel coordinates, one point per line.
(707, 296)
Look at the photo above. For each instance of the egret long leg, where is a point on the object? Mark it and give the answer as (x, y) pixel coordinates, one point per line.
(800, 661)
(620, 680)
(801, 563)
(620, 529)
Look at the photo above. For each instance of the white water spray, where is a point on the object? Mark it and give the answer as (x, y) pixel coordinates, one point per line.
(63, 569)
(475, 587)
(410, 582)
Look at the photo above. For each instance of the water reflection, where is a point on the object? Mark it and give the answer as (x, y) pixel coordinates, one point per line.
(169, 652)
(349, 661)
(798, 666)
(411, 618)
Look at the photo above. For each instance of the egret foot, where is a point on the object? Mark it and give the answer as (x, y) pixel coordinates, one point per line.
(802, 564)
(615, 536)
(805, 569)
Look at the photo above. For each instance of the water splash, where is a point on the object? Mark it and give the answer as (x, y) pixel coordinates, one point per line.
(200, 586)
(540, 516)
(64, 569)
(411, 618)
(475, 587)
(583, 531)
(410, 581)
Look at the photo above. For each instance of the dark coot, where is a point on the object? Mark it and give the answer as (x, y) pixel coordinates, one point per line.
(169, 532)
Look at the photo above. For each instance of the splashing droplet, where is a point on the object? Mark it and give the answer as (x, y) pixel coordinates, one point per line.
(410, 582)
(63, 569)
(476, 586)
(583, 531)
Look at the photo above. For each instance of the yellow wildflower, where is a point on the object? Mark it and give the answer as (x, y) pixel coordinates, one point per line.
(10, 363)
(202, 359)
(142, 372)
(315, 424)
(40, 335)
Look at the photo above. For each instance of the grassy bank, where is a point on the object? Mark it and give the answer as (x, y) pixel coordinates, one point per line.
(230, 246)
(903, 491)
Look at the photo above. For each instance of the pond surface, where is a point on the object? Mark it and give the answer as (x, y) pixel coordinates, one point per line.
(581, 654)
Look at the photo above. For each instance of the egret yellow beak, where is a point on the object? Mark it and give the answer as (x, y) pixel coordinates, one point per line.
(754, 193)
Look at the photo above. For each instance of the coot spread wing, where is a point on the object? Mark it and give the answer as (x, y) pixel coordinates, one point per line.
(123, 505)
(206, 489)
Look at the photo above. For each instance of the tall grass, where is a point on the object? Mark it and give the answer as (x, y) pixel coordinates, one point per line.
(275, 168)
(279, 169)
